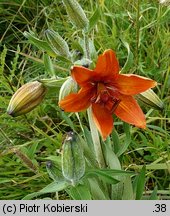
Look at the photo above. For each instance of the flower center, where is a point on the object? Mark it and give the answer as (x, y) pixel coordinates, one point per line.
(102, 95)
(102, 92)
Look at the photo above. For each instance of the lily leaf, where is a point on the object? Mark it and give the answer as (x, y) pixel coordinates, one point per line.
(79, 192)
(106, 177)
(94, 19)
(129, 60)
(40, 43)
(139, 184)
(51, 188)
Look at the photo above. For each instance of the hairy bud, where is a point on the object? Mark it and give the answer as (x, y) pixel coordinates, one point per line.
(76, 13)
(73, 163)
(57, 43)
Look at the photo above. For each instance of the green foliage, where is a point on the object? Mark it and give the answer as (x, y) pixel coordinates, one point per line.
(136, 162)
(40, 43)
(139, 184)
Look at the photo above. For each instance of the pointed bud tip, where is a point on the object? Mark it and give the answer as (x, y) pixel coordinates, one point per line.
(10, 112)
(150, 98)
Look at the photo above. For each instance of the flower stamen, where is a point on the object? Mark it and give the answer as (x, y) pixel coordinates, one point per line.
(115, 105)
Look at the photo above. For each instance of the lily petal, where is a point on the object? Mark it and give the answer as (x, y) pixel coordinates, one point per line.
(130, 84)
(103, 120)
(81, 75)
(77, 102)
(107, 65)
(129, 111)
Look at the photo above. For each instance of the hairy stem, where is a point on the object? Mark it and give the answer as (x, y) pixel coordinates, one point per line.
(86, 43)
(96, 140)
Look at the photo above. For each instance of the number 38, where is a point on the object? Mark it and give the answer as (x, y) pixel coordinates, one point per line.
(160, 207)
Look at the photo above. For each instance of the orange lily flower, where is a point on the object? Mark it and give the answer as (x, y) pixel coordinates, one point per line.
(107, 92)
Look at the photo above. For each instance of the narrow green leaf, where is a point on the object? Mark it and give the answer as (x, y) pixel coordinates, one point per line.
(128, 189)
(80, 192)
(127, 140)
(113, 172)
(117, 172)
(51, 188)
(49, 65)
(111, 158)
(53, 82)
(66, 118)
(5, 180)
(88, 138)
(96, 191)
(40, 43)
(153, 195)
(117, 190)
(129, 60)
(139, 183)
(157, 128)
(106, 177)
(143, 137)
(116, 141)
(94, 19)
(154, 166)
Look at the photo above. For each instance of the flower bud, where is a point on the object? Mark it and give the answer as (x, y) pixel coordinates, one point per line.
(76, 13)
(73, 162)
(68, 87)
(57, 43)
(150, 98)
(26, 98)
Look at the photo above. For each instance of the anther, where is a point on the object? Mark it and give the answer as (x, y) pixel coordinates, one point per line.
(115, 105)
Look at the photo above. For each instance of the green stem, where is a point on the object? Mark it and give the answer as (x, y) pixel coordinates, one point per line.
(86, 43)
(94, 131)
(96, 140)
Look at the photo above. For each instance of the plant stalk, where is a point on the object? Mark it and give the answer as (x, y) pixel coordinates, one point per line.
(86, 44)
(96, 140)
